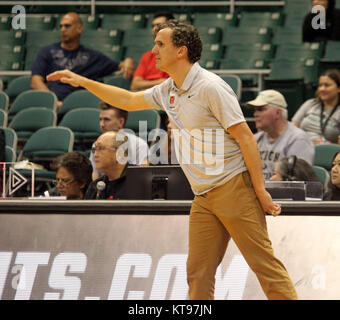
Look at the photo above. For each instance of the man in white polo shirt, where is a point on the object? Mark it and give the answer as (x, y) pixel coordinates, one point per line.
(218, 154)
(277, 137)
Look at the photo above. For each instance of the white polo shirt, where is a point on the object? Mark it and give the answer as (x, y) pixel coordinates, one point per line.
(199, 113)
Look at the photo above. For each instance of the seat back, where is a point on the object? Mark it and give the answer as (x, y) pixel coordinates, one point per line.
(11, 138)
(234, 82)
(11, 155)
(118, 81)
(18, 85)
(78, 99)
(3, 118)
(33, 98)
(324, 154)
(323, 175)
(48, 143)
(84, 122)
(143, 122)
(29, 120)
(123, 21)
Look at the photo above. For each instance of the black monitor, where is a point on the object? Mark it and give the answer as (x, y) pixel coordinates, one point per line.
(156, 183)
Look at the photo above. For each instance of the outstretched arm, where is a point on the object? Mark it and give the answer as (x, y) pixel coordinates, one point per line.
(118, 97)
(252, 159)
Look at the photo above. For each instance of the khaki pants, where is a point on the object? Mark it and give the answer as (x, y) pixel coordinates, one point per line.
(232, 210)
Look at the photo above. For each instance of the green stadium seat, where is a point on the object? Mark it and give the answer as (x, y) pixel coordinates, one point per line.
(324, 154)
(43, 147)
(234, 35)
(78, 99)
(118, 81)
(5, 23)
(9, 52)
(294, 20)
(135, 123)
(234, 82)
(18, 85)
(212, 51)
(284, 35)
(261, 19)
(33, 98)
(331, 58)
(29, 120)
(4, 101)
(210, 34)
(123, 21)
(247, 79)
(13, 38)
(292, 78)
(10, 154)
(11, 138)
(214, 19)
(255, 51)
(136, 36)
(41, 38)
(136, 51)
(210, 64)
(297, 51)
(84, 123)
(94, 38)
(40, 23)
(323, 175)
(3, 118)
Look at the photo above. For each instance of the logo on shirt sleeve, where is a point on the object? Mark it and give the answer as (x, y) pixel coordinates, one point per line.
(172, 99)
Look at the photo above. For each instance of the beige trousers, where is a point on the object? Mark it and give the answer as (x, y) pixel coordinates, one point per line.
(232, 210)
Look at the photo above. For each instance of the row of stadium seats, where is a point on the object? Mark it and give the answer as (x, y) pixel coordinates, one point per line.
(19, 49)
(34, 109)
(141, 21)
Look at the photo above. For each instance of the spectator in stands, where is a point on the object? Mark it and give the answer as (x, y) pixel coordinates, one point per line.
(313, 30)
(293, 169)
(111, 159)
(70, 54)
(320, 117)
(73, 177)
(112, 118)
(277, 137)
(334, 186)
(146, 74)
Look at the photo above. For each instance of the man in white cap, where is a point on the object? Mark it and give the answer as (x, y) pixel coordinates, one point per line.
(277, 137)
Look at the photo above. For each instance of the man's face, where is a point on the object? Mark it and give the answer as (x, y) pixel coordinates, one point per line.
(109, 121)
(264, 117)
(105, 153)
(164, 50)
(70, 29)
(156, 22)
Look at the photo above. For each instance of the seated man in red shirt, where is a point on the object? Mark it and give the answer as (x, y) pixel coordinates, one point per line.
(146, 74)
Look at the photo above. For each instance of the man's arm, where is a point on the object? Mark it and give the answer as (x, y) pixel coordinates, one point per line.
(37, 83)
(251, 155)
(118, 97)
(138, 83)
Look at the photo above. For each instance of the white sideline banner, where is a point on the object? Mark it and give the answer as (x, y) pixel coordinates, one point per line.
(143, 257)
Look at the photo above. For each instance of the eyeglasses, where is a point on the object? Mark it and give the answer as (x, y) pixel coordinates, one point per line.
(65, 182)
(101, 148)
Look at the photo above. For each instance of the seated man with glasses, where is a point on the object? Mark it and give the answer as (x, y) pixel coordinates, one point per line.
(111, 158)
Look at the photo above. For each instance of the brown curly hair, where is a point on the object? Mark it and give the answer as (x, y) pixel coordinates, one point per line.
(184, 34)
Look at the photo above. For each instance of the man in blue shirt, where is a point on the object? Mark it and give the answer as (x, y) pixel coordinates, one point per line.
(69, 54)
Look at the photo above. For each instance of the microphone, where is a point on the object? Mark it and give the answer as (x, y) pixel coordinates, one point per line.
(100, 187)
